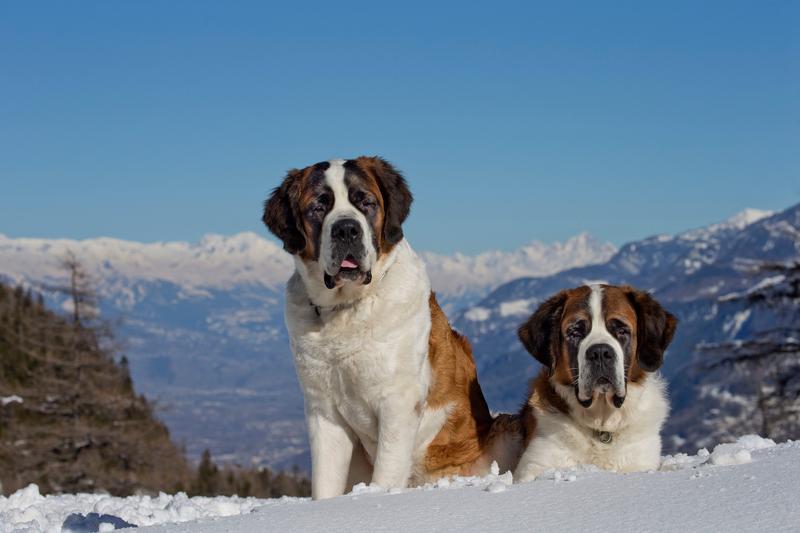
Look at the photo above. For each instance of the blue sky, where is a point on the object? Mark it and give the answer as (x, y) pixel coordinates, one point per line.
(512, 121)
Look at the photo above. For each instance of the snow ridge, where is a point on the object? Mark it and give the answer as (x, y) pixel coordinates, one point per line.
(718, 490)
(215, 262)
(222, 262)
(459, 273)
(739, 221)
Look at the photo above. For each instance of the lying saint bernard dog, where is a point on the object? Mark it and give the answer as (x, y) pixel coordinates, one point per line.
(391, 391)
(596, 400)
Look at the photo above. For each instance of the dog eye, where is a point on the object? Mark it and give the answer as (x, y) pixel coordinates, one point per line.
(619, 329)
(322, 199)
(317, 209)
(577, 331)
(363, 199)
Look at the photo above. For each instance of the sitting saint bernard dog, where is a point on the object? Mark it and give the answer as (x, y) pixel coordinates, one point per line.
(597, 399)
(391, 391)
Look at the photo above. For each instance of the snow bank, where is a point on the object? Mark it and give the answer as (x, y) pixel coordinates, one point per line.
(28, 511)
(735, 453)
(688, 492)
(494, 482)
(738, 452)
(5, 400)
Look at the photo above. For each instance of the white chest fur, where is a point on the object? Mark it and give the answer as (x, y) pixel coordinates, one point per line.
(363, 363)
(564, 441)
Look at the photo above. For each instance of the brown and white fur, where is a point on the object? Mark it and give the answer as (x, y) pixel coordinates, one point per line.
(598, 399)
(391, 391)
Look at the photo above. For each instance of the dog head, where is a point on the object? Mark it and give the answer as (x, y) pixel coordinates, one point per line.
(340, 216)
(598, 339)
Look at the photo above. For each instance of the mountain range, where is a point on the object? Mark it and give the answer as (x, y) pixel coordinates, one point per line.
(690, 273)
(202, 324)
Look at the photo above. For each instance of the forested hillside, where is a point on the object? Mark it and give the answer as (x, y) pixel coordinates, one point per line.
(71, 421)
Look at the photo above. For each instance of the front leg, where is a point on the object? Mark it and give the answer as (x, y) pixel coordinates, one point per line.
(331, 449)
(640, 456)
(542, 454)
(398, 423)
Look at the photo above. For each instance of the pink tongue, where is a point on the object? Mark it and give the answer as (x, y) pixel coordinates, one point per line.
(346, 263)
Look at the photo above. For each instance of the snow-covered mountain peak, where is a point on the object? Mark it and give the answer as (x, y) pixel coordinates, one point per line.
(739, 221)
(217, 261)
(460, 273)
(245, 241)
(205, 319)
(746, 217)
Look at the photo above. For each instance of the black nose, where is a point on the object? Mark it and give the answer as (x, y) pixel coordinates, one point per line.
(346, 230)
(599, 353)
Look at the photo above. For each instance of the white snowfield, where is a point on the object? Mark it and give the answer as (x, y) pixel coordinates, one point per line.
(750, 485)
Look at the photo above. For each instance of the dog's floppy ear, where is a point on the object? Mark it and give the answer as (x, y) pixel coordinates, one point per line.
(396, 198)
(655, 327)
(541, 333)
(280, 213)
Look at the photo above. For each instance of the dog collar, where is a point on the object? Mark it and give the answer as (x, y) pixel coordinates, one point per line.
(606, 437)
(318, 309)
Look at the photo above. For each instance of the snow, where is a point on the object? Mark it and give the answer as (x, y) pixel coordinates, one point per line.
(478, 314)
(739, 221)
(749, 485)
(747, 216)
(739, 452)
(732, 326)
(726, 454)
(765, 283)
(221, 262)
(215, 262)
(5, 400)
(28, 511)
(459, 273)
(516, 307)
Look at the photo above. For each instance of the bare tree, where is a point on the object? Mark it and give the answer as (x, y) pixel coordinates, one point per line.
(80, 288)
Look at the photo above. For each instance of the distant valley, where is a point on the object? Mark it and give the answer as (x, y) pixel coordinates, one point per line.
(202, 324)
